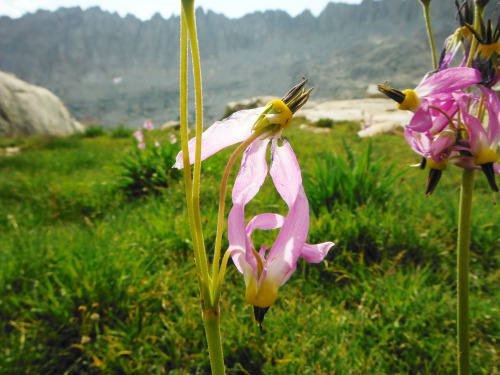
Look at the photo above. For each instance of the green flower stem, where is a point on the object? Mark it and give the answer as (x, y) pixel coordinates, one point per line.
(211, 319)
(427, 16)
(220, 280)
(464, 231)
(222, 202)
(184, 140)
(189, 13)
(210, 311)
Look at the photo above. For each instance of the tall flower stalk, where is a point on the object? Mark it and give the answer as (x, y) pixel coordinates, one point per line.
(450, 106)
(254, 129)
(463, 249)
(427, 16)
(210, 310)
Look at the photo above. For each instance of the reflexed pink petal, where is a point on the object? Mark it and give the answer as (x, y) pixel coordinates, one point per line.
(432, 120)
(315, 253)
(262, 252)
(448, 80)
(440, 121)
(419, 142)
(139, 136)
(265, 222)
(285, 172)
(421, 120)
(238, 242)
(492, 104)
(478, 137)
(468, 163)
(465, 162)
(283, 256)
(234, 129)
(253, 172)
(440, 144)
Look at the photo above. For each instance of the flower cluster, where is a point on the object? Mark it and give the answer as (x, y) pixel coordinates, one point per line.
(139, 135)
(267, 269)
(456, 113)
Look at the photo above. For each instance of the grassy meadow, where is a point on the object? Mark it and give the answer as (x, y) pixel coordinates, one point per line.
(95, 280)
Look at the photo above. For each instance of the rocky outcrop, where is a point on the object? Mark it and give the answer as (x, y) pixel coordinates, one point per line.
(376, 116)
(171, 125)
(255, 102)
(32, 110)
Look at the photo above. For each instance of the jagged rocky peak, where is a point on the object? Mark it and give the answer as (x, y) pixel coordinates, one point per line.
(80, 53)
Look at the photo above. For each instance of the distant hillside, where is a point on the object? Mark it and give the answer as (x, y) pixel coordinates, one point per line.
(114, 70)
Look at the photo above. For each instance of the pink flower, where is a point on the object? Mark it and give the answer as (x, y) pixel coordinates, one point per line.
(148, 125)
(482, 144)
(437, 91)
(157, 144)
(139, 136)
(172, 138)
(265, 274)
(275, 117)
(433, 91)
(425, 144)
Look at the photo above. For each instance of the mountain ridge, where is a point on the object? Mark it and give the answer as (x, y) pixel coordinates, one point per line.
(109, 69)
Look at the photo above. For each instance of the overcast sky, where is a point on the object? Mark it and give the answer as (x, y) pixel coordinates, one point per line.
(144, 9)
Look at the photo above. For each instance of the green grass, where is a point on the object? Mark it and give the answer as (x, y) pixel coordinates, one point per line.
(94, 282)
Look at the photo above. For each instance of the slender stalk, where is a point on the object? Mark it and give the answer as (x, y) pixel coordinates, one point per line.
(430, 34)
(222, 202)
(210, 311)
(464, 231)
(220, 279)
(463, 244)
(188, 9)
(211, 319)
(184, 139)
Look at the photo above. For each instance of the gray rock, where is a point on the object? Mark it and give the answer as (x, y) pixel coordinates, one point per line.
(172, 124)
(255, 102)
(32, 110)
(376, 116)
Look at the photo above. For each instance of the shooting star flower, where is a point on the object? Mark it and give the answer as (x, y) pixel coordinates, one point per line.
(264, 274)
